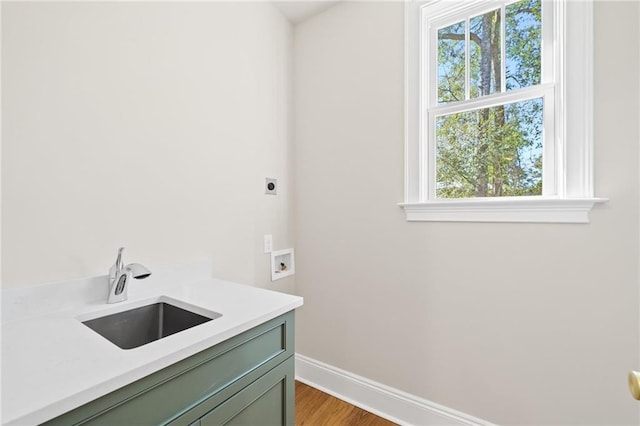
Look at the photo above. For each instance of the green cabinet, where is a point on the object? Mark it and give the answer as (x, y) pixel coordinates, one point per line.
(245, 380)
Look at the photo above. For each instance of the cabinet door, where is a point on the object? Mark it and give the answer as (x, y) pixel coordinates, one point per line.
(269, 401)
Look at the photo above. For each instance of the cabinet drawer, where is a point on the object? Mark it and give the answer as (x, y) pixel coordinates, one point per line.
(166, 394)
(266, 402)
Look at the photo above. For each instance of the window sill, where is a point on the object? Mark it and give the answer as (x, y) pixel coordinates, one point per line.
(530, 210)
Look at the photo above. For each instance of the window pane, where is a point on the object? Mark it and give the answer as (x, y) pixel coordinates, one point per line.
(490, 152)
(451, 61)
(485, 65)
(523, 42)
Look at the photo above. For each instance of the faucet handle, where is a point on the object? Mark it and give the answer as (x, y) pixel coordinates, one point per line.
(119, 258)
(117, 266)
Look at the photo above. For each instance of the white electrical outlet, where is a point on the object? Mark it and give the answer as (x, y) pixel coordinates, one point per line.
(268, 243)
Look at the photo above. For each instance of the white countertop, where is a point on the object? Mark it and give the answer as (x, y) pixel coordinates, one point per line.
(52, 363)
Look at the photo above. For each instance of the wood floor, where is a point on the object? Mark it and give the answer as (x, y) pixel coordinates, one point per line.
(315, 408)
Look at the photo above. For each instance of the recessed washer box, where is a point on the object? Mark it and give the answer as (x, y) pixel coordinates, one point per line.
(282, 264)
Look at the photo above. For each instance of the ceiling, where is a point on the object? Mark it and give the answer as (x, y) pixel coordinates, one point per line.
(297, 11)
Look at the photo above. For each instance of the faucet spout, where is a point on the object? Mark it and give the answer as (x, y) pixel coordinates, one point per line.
(119, 277)
(138, 271)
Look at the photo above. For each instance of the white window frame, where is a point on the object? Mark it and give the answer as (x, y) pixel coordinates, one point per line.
(568, 193)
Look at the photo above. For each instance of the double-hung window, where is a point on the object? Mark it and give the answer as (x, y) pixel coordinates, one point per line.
(498, 104)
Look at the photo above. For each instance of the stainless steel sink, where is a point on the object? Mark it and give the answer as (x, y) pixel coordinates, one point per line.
(136, 327)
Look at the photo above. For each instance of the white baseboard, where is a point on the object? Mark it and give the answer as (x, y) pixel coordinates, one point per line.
(392, 404)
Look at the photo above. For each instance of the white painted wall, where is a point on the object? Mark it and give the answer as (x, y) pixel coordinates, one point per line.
(512, 323)
(150, 125)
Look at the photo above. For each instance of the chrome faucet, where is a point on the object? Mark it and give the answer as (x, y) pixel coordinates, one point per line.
(120, 275)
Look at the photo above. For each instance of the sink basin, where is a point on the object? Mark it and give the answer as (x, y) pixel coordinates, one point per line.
(139, 326)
